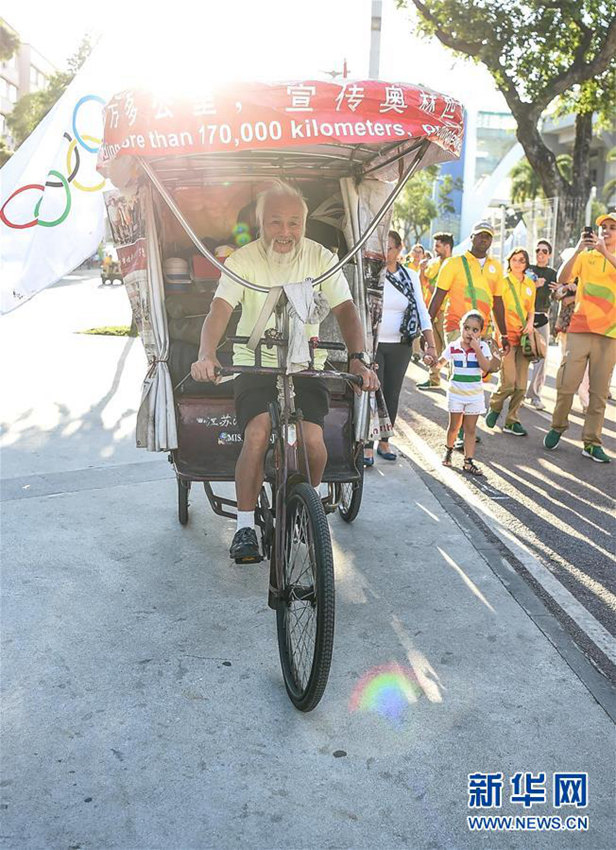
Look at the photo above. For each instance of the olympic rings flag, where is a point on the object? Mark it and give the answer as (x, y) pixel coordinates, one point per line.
(51, 200)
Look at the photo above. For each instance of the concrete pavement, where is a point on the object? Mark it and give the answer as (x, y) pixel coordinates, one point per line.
(559, 505)
(143, 700)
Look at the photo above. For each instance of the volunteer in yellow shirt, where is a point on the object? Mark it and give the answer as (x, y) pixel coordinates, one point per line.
(414, 257)
(473, 281)
(518, 299)
(429, 271)
(591, 337)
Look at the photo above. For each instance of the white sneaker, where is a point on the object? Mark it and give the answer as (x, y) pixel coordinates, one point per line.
(537, 404)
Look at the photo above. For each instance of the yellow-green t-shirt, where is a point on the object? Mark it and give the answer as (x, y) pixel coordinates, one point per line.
(525, 290)
(487, 282)
(595, 300)
(431, 274)
(251, 263)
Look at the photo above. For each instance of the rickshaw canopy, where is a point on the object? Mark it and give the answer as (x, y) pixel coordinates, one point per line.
(345, 143)
(327, 129)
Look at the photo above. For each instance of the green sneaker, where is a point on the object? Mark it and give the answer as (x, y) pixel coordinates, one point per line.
(515, 428)
(428, 385)
(492, 418)
(551, 439)
(596, 453)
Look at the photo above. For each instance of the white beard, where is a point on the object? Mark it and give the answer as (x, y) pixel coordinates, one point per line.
(280, 263)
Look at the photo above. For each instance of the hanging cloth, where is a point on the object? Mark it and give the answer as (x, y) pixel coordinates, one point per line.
(410, 327)
(305, 307)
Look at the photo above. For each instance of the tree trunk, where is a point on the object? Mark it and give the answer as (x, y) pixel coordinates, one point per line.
(572, 197)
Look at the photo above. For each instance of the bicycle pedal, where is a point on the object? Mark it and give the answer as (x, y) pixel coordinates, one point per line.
(251, 560)
(328, 507)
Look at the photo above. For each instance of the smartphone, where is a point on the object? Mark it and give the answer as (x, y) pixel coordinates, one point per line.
(587, 232)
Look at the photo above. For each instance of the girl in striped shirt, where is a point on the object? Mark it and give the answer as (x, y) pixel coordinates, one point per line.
(469, 358)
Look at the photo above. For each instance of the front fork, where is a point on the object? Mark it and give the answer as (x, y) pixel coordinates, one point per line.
(287, 433)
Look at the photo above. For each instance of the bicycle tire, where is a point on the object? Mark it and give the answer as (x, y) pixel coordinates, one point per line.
(351, 493)
(183, 491)
(306, 612)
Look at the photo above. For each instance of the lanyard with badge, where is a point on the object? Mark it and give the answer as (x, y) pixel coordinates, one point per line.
(518, 306)
(471, 285)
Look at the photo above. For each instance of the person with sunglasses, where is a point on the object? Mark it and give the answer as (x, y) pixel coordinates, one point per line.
(545, 283)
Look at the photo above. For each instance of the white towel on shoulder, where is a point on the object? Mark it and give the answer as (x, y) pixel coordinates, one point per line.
(306, 307)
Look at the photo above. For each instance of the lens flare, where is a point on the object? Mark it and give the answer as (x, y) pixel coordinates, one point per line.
(388, 691)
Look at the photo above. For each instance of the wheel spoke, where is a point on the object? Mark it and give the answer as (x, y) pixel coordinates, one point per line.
(306, 611)
(301, 614)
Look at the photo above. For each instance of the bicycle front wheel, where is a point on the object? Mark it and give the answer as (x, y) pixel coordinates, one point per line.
(305, 613)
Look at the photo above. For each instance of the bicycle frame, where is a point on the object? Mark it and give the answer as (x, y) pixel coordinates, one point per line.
(286, 424)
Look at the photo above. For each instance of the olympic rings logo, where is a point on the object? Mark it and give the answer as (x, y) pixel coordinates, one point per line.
(73, 162)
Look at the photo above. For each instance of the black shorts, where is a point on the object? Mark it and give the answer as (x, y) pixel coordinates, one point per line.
(254, 394)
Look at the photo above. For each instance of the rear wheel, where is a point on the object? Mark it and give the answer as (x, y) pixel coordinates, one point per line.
(183, 491)
(350, 496)
(305, 612)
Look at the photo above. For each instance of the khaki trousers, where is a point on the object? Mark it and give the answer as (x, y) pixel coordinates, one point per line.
(511, 384)
(439, 341)
(600, 353)
(537, 377)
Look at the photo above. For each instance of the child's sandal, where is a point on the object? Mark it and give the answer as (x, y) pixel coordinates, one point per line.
(447, 456)
(471, 467)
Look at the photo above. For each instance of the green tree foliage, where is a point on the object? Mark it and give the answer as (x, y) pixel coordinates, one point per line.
(609, 190)
(525, 183)
(30, 109)
(5, 152)
(416, 206)
(9, 41)
(446, 186)
(539, 53)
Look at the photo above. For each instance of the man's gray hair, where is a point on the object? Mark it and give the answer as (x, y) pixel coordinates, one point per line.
(278, 190)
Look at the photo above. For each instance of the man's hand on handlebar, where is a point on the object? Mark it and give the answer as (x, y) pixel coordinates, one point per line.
(368, 376)
(206, 369)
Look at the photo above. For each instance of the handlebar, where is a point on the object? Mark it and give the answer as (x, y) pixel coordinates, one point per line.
(271, 370)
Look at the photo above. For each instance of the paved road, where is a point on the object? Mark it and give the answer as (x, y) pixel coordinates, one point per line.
(143, 705)
(560, 504)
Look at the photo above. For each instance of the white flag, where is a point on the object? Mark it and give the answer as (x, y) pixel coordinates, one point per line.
(51, 201)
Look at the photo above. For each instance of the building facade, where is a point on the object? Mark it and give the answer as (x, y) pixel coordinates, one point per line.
(25, 72)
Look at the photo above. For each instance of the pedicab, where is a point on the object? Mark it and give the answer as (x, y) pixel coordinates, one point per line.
(187, 172)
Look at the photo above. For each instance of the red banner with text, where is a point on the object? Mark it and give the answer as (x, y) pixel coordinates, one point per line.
(256, 116)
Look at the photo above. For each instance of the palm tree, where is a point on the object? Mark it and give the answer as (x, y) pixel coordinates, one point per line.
(609, 190)
(526, 185)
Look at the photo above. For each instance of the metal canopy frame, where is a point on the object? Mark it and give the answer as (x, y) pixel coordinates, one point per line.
(324, 161)
(331, 161)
